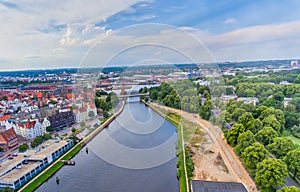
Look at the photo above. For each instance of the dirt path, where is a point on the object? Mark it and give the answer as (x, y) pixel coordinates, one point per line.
(217, 161)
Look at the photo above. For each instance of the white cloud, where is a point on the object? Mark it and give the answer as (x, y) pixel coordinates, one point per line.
(230, 21)
(47, 28)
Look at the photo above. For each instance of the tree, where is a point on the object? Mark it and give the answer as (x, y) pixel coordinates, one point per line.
(244, 140)
(271, 173)
(279, 115)
(1, 149)
(91, 114)
(105, 114)
(23, 147)
(73, 130)
(271, 121)
(296, 131)
(237, 113)
(293, 161)
(289, 189)
(233, 134)
(245, 118)
(254, 154)
(82, 124)
(254, 126)
(205, 109)
(266, 135)
(281, 146)
(206, 95)
(7, 189)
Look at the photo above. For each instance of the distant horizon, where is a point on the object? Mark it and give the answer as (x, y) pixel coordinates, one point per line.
(145, 65)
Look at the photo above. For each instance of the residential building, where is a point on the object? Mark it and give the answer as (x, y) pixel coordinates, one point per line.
(46, 123)
(248, 100)
(8, 139)
(61, 120)
(31, 129)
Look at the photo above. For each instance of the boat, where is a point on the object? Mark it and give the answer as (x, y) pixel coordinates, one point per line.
(68, 162)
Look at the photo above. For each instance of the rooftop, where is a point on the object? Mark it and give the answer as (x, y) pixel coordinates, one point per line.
(45, 149)
(19, 172)
(217, 186)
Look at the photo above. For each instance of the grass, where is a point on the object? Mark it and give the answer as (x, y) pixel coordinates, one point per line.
(295, 140)
(54, 168)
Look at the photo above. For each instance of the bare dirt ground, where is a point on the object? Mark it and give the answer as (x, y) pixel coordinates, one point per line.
(214, 159)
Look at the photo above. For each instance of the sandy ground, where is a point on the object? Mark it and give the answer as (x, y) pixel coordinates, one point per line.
(214, 159)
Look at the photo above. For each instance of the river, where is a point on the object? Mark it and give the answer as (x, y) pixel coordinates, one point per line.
(135, 153)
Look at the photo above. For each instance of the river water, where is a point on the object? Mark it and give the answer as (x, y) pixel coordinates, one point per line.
(135, 153)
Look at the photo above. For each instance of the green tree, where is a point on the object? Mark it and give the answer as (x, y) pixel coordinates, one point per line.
(91, 114)
(293, 161)
(266, 135)
(254, 126)
(82, 124)
(105, 114)
(289, 189)
(233, 134)
(206, 95)
(244, 140)
(23, 147)
(245, 118)
(281, 146)
(279, 115)
(237, 113)
(254, 154)
(7, 189)
(271, 173)
(205, 110)
(271, 121)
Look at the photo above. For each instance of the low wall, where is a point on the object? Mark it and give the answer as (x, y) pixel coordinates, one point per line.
(102, 126)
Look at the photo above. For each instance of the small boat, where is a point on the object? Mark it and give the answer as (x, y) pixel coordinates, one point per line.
(68, 162)
(57, 180)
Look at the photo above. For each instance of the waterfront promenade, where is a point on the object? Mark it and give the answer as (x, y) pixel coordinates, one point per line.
(83, 142)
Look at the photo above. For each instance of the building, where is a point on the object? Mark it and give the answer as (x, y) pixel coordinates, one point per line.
(216, 186)
(294, 63)
(248, 100)
(46, 123)
(8, 139)
(4, 119)
(30, 129)
(286, 101)
(61, 120)
(17, 171)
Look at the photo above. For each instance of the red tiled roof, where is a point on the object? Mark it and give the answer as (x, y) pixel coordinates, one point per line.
(8, 134)
(4, 117)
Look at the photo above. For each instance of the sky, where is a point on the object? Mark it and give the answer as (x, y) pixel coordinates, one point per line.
(95, 33)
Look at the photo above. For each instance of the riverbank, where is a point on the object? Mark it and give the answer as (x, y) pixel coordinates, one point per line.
(214, 159)
(55, 166)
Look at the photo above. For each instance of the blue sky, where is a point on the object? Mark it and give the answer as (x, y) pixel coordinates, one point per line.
(50, 34)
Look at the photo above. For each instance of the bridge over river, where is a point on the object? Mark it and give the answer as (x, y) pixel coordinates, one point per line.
(134, 95)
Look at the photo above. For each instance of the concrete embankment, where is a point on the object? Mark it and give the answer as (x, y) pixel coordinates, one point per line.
(103, 125)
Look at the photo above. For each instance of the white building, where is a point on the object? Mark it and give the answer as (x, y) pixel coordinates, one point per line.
(248, 100)
(46, 123)
(31, 129)
(286, 101)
